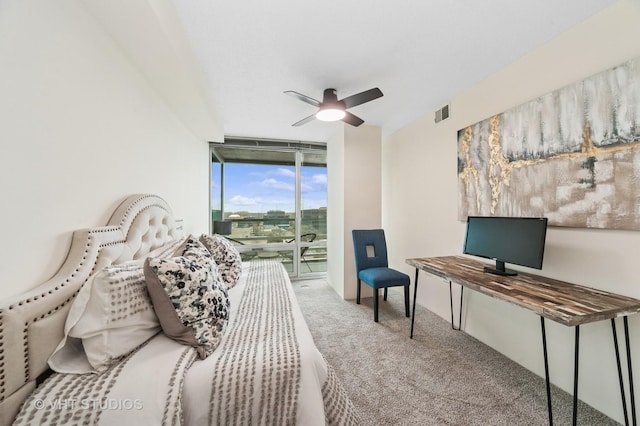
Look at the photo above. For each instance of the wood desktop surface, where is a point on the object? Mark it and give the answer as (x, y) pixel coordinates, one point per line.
(563, 302)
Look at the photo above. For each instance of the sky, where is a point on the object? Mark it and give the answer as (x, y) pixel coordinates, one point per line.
(260, 188)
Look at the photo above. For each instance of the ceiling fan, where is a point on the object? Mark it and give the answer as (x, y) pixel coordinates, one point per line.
(332, 109)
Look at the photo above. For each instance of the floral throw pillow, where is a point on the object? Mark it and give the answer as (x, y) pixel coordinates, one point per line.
(191, 246)
(191, 304)
(226, 256)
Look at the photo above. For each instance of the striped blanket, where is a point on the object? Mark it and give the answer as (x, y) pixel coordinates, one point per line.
(143, 388)
(266, 371)
(269, 371)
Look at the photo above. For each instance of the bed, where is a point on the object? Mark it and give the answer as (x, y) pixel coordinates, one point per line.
(262, 367)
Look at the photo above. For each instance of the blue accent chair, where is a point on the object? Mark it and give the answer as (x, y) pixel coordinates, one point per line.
(372, 266)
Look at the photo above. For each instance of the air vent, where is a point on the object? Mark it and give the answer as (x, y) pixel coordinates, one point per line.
(442, 113)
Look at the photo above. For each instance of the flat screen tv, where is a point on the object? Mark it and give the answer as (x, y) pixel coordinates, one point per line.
(515, 240)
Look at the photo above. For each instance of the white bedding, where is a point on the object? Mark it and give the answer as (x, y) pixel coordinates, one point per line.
(142, 389)
(266, 370)
(268, 346)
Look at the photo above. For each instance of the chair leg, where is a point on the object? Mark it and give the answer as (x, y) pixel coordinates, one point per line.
(406, 300)
(385, 294)
(306, 263)
(375, 305)
(358, 293)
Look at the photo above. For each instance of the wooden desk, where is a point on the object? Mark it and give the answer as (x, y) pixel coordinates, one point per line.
(568, 304)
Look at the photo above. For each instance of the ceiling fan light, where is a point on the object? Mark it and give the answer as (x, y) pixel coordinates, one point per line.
(330, 114)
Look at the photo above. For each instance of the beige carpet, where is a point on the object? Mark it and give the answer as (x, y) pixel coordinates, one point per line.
(441, 377)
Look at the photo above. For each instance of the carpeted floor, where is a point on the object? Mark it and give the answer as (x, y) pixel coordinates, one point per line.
(441, 377)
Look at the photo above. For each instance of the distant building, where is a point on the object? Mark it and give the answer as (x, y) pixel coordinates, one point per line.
(277, 218)
(316, 219)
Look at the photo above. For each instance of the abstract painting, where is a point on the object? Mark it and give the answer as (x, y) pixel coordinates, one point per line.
(572, 156)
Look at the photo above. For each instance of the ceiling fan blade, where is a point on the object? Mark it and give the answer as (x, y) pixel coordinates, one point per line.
(362, 97)
(352, 119)
(303, 98)
(304, 120)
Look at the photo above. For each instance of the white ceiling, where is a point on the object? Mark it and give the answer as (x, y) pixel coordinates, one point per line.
(420, 53)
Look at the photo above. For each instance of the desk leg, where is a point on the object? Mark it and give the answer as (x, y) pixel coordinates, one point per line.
(575, 373)
(631, 392)
(460, 311)
(546, 371)
(575, 377)
(413, 311)
(620, 379)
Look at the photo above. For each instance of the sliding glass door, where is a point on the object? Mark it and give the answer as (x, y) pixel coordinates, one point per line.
(274, 193)
(313, 211)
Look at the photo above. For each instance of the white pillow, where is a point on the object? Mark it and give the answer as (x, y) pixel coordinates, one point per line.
(111, 316)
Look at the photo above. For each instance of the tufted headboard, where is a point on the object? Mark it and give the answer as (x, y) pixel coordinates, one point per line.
(32, 323)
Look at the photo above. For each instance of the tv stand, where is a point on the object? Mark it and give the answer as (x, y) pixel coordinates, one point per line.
(500, 269)
(565, 303)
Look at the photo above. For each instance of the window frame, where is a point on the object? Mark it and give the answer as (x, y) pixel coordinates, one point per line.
(254, 151)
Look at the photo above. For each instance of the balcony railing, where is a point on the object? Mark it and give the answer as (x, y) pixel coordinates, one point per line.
(269, 238)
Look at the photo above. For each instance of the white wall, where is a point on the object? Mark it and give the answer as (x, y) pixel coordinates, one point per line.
(420, 211)
(363, 194)
(81, 128)
(335, 212)
(355, 200)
